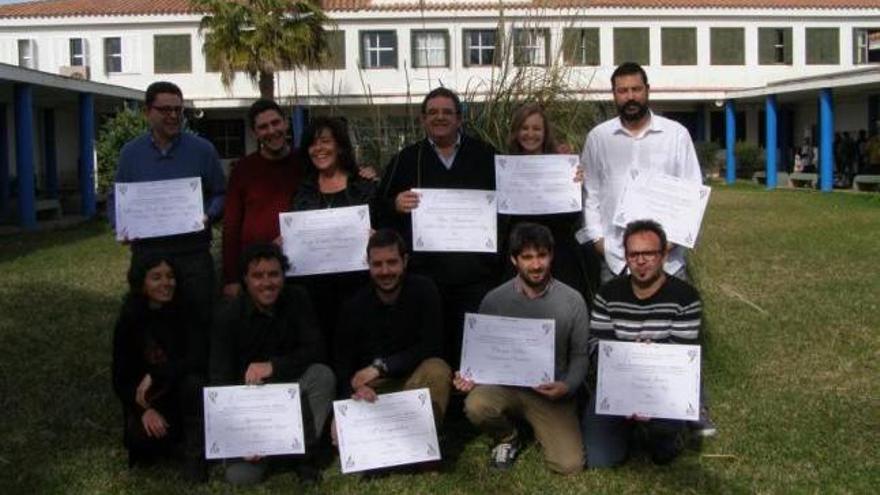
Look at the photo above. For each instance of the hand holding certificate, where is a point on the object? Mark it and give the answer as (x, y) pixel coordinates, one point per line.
(537, 184)
(676, 204)
(462, 220)
(508, 351)
(158, 208)
(396, 429)
(326, 241)
(653, 380)
(247, 420)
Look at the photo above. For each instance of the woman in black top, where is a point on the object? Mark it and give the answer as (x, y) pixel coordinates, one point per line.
(332, 180)
(531, 134)
(159, 358)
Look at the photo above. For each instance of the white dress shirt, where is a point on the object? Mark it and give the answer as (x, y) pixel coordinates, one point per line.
(610, 151)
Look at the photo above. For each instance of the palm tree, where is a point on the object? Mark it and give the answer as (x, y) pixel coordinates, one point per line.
(260, 37)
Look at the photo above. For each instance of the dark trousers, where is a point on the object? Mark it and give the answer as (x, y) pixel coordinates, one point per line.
(458, 300)
(181, 406)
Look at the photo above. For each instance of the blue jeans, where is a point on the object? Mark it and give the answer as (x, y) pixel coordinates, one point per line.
(607, 439)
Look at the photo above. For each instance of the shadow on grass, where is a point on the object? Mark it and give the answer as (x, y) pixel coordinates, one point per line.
(14, 246)
(56, 397)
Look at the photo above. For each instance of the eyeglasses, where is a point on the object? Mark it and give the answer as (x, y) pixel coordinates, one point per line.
(168, 110)
(646, 255)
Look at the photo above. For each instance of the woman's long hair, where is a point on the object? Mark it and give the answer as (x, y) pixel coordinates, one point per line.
(344, 149)
(136, 301)
(522, 113)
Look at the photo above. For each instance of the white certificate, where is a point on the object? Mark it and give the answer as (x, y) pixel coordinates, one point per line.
(326, 241)
(463, 220)
(158, 208)
(654, 380)
(676, 204)
(397, 429)
(248, 420)
(508, 351)
(537, 184)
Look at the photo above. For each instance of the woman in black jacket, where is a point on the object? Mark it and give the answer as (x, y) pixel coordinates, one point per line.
(159, 360)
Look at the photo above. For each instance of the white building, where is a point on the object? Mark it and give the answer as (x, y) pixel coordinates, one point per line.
(392, 52)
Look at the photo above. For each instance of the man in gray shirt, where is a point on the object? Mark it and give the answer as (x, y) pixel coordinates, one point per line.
(549, 408)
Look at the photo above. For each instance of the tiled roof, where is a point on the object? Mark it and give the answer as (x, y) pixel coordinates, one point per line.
(67, 8)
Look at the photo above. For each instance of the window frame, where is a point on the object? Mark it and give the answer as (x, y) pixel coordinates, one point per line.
(719, 58)
(666, 56)
(822, 46)
(366, 50)
(538, 45)
(27, 60)
(580, 54)
(481, 48)
(414, 49)
(862, 45)
(622, 31)
(108, 55)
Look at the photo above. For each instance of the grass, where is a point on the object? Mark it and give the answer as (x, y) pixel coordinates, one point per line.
(790, 281)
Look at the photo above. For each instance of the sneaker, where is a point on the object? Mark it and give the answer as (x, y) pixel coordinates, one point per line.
(704, 427)
(504, 453)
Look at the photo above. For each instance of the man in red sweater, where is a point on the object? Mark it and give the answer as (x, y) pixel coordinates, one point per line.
(261, 185)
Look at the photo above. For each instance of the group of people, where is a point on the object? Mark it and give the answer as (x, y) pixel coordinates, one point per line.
(399, 325)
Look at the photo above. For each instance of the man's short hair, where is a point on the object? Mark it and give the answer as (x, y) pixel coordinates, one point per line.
(384, 238)
(530, 235)
(157, 87)
(638, 226)
(445, 93)
(260, 106)
(261, 251)
(628, 69)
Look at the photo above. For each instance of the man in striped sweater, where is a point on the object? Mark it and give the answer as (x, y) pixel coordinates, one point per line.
(646, 305)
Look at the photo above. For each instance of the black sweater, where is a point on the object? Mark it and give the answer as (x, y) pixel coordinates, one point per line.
(288, 337)
(164, 342)
(403, 334)
(418, 166)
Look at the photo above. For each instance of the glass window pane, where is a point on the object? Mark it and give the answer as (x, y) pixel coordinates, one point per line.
(172, 54)
(631, 45)
(823, 46)
(679, 46)
(727, 46)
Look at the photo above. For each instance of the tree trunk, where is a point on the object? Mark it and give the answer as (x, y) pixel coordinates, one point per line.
(267, 85)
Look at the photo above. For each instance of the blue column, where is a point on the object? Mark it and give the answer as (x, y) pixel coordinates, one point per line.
(24, 155)
(826, 140)
(49, 149)
(730, 140)
(771, 148)
(87, 154)
(298, 121)
(4, 163)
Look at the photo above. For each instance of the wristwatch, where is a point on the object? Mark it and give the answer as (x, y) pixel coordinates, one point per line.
(380, 366)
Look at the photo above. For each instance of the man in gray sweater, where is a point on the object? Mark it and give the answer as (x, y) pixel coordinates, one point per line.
(549, 408)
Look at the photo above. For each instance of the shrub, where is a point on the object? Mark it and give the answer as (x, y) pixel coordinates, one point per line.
(749, 159)
(113, 134)
(707, 154)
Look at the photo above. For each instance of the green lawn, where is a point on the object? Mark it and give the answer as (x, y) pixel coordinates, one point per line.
(791, 282)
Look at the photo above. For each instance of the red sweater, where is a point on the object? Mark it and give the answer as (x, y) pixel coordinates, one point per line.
(259, 189)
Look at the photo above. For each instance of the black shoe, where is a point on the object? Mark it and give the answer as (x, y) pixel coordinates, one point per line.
(308, 474)
(195, 470)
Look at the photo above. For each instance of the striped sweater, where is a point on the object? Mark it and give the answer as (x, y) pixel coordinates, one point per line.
(673, 314)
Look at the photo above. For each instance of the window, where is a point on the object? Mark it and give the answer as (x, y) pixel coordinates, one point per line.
(866, 45)
(172, 54)
(632, 45)
(78, 52)
(480, 47)
(430, 49)
(678, 46)
(379, 49)
(333, 55)
(823, 46)
(531, 46)
(580, 46)
(227, 135)
(112, 55)
(27, 54)
(727, 46)
(774, 46)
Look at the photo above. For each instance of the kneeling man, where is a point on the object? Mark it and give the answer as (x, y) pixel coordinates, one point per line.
(391, 332)
(269, 333)
(548, 408)
(647, 305)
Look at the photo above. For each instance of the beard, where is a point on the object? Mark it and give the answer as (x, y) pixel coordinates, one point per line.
(625, 113)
